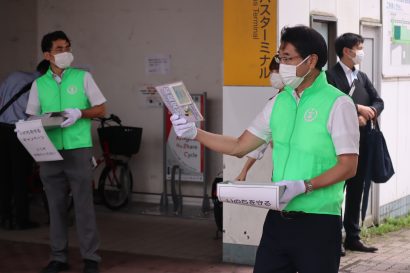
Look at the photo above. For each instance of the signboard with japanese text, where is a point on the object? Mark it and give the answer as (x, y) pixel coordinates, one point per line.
(34, 138)
(396, 38)
(188, 154)
(250, 35)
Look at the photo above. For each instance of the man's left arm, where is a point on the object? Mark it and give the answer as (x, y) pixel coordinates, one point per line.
(97, 111)
(344, 169)
(376, 103)
(343, 127)
(96, 98)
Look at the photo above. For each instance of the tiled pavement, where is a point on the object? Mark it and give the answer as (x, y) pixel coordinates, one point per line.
(393, 255)
(135, 243)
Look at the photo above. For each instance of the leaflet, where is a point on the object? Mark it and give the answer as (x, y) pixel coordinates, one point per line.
(49, 120)
(34, 138)
(255, 194)
(178, 101)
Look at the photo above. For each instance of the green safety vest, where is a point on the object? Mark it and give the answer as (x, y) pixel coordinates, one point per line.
(70, 93)
(303, 147)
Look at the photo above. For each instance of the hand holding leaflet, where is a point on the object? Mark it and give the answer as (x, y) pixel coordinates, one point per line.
(183, 128)
(71, 115)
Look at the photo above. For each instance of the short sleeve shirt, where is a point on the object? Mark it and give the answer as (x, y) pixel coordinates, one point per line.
(342, 125)
(93, 93)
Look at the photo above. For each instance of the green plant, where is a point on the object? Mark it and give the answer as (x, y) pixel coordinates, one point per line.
(388, 225)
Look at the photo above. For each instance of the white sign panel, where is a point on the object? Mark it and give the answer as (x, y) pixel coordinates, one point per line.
(396, 38)
(34, 138)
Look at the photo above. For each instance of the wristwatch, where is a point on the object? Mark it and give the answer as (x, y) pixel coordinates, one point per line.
(309, 186)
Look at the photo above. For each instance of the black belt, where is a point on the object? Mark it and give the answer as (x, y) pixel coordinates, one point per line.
(7, 125)
(291, 214)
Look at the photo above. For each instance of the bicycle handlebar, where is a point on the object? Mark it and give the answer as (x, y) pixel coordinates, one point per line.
(112, 117)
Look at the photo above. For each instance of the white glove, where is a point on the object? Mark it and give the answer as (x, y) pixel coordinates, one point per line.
(71, 115)
(293, 189)
(183, 128)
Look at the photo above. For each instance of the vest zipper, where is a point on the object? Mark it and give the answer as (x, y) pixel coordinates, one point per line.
(59, 95)
(291, 135)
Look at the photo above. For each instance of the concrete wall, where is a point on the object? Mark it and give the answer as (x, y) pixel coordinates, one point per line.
(112, 39)
(18, 32)
(394, 122)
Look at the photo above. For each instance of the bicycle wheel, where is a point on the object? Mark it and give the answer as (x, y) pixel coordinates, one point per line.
(115, 185)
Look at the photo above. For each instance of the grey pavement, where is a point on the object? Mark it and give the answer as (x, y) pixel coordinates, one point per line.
(134, 242)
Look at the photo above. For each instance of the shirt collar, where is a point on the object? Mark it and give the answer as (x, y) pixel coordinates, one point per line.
(317, 84)
(347, 70)
(57, 78)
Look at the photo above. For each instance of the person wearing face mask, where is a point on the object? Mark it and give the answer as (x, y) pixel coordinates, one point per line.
(315, 134)
(74, 93)
(346, 76)
(277, 84)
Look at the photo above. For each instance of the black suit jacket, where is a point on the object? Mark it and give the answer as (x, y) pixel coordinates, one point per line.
(337, 77)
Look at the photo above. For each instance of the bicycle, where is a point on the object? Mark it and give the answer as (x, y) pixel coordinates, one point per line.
(118, 143)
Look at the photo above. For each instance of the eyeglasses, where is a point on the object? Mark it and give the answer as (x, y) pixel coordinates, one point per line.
(61, 49)
(284, 60)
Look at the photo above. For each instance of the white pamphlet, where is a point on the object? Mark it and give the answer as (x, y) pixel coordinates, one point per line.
(256, 194)
(34, 138)
(178, 101)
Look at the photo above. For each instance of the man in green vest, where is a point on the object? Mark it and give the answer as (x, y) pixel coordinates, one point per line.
(74, 93)
(315, 134)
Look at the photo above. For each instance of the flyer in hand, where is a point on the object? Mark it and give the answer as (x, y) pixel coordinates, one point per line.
(255, 194)
(178, 101)
(49, 120)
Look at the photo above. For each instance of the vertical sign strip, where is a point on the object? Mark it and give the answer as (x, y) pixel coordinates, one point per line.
(249, 41)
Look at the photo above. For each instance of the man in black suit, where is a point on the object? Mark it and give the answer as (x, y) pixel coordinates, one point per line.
(347, 77)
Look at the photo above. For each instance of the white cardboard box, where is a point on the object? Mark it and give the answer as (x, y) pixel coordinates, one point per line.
(256, 194)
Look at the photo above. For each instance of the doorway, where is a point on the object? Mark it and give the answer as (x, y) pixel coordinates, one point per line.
(371, 65)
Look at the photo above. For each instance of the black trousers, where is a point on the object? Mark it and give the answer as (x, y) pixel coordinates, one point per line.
(354, 191)
(303, 243)
(15, 167)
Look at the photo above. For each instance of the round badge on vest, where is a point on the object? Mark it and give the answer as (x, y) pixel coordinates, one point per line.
(310, 115)
(72, 89)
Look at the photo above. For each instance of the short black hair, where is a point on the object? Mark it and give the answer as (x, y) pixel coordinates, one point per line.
(49, 38)
(348, 40)
(43, 66)
(273, 66)
(306, 41)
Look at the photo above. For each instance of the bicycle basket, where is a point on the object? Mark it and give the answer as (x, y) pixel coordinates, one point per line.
(122, 140)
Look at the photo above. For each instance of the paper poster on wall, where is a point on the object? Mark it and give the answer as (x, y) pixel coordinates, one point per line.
(158, 64)
(187, 154)
(396, 38)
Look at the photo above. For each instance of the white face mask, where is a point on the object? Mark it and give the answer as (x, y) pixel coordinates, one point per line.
(359, 57)
(276, 81)
(288, 74)
(63, 60)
